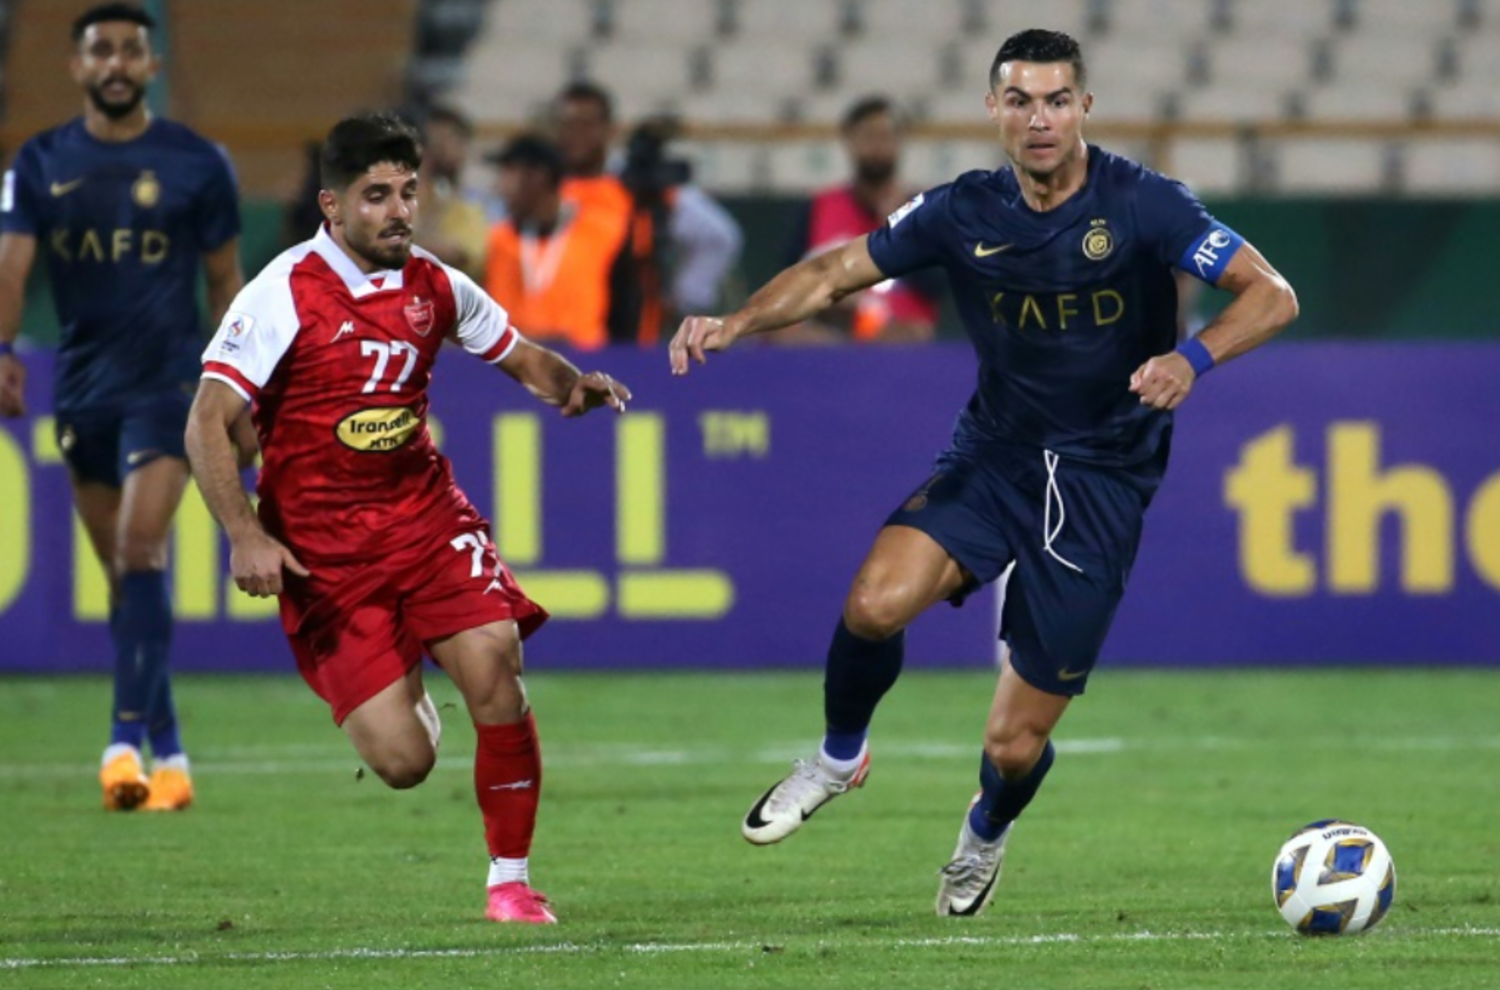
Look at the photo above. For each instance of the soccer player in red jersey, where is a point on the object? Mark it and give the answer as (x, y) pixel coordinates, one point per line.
(375, 553)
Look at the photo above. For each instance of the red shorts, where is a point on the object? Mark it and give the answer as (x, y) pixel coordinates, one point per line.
(358, 628)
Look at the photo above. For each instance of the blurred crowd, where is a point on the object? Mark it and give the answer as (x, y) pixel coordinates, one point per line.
(590, 235)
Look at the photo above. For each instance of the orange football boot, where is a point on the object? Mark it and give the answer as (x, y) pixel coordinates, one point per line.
(124, 781)
(171, 790)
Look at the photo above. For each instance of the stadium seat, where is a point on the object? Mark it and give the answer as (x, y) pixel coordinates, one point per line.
(1143, 23)
(1232, 101)
(803, 166)
(640, 72)
(1452, 166)
(1479, 54)
(513, 23)
(1297, 19)
(1252, 61)
(931, 20)
(925, 164)
(727, 166)
(783, 20)
(665, 21)
(1463, 103)
(508, 83)
(897, 68)
(1384, 59)
(734, 105)
(1403, 17)
(770, 70)
(1005, 17)
(1330, 166)
(1209, 166)
(1357, 101)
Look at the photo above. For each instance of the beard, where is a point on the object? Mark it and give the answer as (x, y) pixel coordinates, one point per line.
(391, 257)
(874, 171)
(116, 111)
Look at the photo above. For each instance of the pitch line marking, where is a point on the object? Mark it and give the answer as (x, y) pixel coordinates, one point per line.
(662, 948)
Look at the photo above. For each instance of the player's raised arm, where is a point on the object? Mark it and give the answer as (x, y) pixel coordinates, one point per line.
(255, 559)
(17, 253)
(552, 378)
(803, 290)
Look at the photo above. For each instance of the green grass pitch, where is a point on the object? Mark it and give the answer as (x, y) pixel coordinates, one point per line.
(1145, 863)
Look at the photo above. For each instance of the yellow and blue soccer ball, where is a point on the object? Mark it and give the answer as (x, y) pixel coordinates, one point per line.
(1333, 878)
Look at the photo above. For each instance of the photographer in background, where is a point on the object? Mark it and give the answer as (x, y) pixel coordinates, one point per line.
(683, 242)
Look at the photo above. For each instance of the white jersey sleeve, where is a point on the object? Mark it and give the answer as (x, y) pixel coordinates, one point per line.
(483, 326)
(255, 333)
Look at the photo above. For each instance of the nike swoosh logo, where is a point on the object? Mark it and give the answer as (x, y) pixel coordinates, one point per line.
(754, 820)
(1071, 675)
(977, 904)
(63, 188)
(980, 251)
(519, 785)
(136, 456)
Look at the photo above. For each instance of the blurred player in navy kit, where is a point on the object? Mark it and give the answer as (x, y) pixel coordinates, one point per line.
(1061, 266)
(124, 208)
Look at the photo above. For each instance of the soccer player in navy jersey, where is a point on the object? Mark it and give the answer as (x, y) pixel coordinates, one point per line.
(124, 208)
(1061, 265)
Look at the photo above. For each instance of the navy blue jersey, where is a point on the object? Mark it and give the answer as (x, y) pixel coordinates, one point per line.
(123, 228)
(1063, 306)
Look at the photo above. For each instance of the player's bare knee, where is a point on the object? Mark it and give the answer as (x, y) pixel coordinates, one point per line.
(876, 613)
(1014, 753)
(404, 770)
(139, 552)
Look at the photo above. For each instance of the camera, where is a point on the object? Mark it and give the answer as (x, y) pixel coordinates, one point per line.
(648, 172)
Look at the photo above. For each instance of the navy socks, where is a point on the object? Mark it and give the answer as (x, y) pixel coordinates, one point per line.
(1001, 801)
(859, 673)
(141, 629)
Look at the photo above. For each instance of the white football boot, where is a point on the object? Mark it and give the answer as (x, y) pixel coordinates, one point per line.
(968, 881)
(782, 810)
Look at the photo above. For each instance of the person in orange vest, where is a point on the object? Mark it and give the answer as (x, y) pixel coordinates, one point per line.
(683, 241)
(564, 269)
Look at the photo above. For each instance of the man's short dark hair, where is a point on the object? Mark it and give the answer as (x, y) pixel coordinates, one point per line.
(583, 91)
(357, 143)
(531, 151)
(105, 12)
(864, 108)
(1037, 45)
(444, 114)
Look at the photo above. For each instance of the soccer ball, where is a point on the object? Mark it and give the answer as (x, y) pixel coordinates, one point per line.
(1333, 878)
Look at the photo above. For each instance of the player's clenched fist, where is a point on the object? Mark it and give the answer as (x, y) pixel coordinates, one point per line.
(256, 561)
(1163, 382)
(696, 336)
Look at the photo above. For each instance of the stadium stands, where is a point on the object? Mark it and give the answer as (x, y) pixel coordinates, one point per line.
(1217, 86)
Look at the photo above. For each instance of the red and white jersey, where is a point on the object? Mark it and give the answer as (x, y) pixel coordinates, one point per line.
(337, 363)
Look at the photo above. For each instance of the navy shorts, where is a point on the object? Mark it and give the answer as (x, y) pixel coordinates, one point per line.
(104, 445)
(1071, 529)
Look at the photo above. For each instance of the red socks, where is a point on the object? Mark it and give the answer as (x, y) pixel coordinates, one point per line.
(508, 783)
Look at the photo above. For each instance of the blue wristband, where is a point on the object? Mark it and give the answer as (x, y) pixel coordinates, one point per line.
(7, 349)
(1197, 355)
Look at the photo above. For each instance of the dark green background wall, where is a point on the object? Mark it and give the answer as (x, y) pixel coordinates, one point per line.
(1363, 269)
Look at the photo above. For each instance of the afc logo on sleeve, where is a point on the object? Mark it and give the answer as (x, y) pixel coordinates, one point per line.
(1208, 257)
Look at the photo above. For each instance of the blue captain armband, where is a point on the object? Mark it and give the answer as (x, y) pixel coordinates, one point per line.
(1210, 253)
(1197, 355)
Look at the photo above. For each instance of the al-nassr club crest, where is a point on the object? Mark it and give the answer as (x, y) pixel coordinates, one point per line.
(420, 315)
